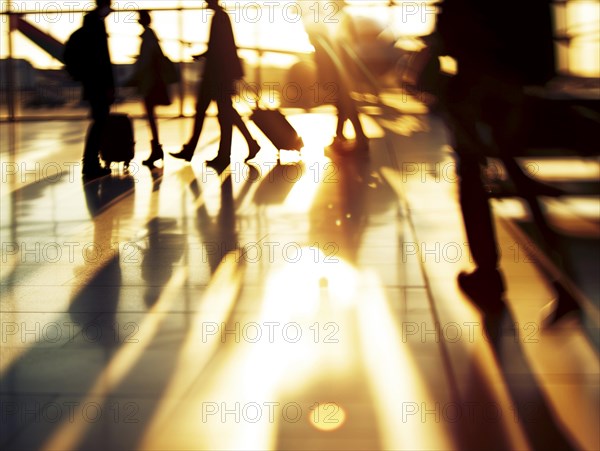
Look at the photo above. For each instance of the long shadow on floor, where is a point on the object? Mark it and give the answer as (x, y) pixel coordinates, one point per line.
(44, 384)
(529, 407)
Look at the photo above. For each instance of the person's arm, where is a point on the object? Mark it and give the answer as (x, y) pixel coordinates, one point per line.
(212, 40)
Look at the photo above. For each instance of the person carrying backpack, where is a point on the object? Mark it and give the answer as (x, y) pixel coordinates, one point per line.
(89, 59)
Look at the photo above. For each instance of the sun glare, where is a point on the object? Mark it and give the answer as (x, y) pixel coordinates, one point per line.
(185, 33)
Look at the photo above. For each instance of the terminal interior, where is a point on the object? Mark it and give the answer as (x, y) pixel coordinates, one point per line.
(302, 301)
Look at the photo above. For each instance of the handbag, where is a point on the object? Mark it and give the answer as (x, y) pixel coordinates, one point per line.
(169, 70)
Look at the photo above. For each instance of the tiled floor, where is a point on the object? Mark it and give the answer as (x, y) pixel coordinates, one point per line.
(310, 305)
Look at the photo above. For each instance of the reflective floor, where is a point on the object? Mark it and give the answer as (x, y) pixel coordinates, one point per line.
(309, 305)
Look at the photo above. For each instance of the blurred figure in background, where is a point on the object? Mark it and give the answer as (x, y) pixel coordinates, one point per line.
(149, 79)
(326, 35)
(499, 50)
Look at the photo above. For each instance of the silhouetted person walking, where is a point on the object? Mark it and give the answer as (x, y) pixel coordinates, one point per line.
(221, 69)
(499, 50)
(98, 86)
(148, 77)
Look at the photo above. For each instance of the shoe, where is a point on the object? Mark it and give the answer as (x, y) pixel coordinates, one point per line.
(485, 288)
(253, 149)
(94, 172)
(187, 152)
(156, 155)
(219, 164)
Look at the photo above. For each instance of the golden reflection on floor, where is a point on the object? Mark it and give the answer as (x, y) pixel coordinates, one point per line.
(339, 342)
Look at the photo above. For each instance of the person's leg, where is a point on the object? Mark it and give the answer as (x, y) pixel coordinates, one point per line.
(226, 117)
(253, 146)
(507, 105)
(341, 121)
(339, 140)
(241, 125)
(549, 242)
(151, 119)
(347, 111)
(361, 137)
(485, 285)
(157, 151)
(204, 99)
(477, 214)
(351, 113)
(463, 111)
(202, 103)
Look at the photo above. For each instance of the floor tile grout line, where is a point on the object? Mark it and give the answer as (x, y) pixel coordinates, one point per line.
(451, 376)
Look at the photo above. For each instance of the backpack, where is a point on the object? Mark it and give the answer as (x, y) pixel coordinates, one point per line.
(75, 54)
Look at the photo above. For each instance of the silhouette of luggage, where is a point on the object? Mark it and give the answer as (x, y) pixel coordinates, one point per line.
(277, 128)
(118, 143)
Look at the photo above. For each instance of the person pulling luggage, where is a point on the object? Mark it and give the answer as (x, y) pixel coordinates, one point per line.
(98, 85)
(221, 70)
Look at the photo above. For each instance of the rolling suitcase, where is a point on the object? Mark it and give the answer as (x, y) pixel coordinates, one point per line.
(118, 143)
(277, 128)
